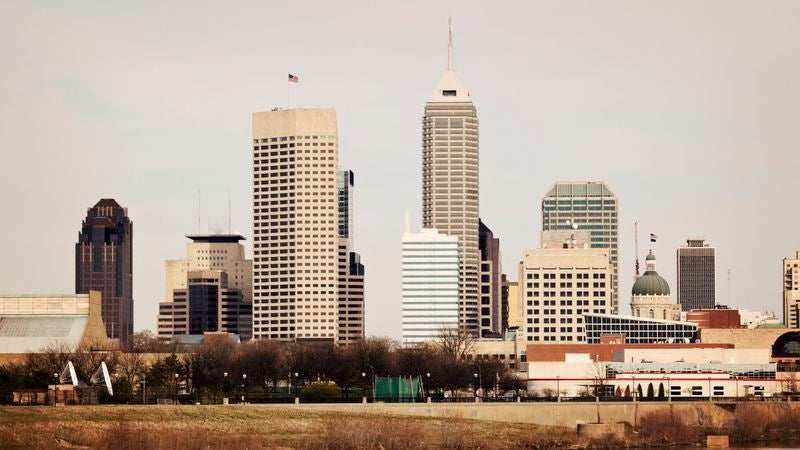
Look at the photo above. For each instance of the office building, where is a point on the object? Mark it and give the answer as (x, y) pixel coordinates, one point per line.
(650, 295)
(206, 304)
(351, 295)
(350, 267)
(696, 275)
(210, 290)
(491, 309)
(104, 262)
(560, 285)
(430, 285)
(31, 323)
(450, 182)
(593, 207)
(346, 184)
(512, 304)
(791, 291)
(295, 225)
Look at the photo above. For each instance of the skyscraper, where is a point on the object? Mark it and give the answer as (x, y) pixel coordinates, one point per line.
(450, 181)
(295, 225)
(430, 285)
(351, 270)
(346, 184)
(104, 261)
(593, 207)
(210, 290)
(791, 291)
(491, 310)
(696, 275)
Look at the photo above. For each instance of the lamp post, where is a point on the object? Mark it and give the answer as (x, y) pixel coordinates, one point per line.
(244, 387)
(225, 387)
(55, 389)
(634, 391)
(175, 398)
(363, 387)
(475, 384)
(558, 388)
(296, 383)
(144, 389)
(428, 387)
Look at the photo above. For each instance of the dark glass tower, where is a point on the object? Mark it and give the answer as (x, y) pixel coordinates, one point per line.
(103, 262)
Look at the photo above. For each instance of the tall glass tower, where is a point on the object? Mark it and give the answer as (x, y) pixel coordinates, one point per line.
(104, 262)
(450, 181)
(591, 206)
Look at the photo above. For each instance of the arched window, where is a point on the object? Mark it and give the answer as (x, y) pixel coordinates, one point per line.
(665, 314)
(650, 314)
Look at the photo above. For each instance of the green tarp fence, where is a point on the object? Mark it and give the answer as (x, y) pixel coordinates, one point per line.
(398, 388)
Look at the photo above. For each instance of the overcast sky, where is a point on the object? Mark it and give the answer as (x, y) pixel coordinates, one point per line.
(689, 110)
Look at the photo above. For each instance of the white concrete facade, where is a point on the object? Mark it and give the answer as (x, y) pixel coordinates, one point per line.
(430, 285)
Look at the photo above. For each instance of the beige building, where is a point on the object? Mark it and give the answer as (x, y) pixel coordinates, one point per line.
(295, 225)
(791, 291)
(29, 323)
(450, 181)
(221, 252)
(650, 296)
(351, 295)
(512, 302)
(210, 290)
(559, 285)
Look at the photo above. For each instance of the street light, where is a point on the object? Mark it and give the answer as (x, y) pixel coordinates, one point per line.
(144, 389)
(225, 384)
(558, 388)
(55, 389)
(244, 387)
(175, 398)
(428, 385)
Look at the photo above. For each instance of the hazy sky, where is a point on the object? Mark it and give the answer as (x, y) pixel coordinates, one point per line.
(690, 110)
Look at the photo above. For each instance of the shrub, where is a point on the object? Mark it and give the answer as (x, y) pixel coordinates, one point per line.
(667, 426)
(320, 390)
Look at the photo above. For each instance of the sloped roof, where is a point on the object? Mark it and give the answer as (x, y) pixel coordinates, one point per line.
(449, 82)
(31, 333)
(580, 189)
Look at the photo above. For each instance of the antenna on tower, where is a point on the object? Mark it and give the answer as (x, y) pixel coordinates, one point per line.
(199, 220)
(229, 211)
(729, 288)
(450, 42)
(636, 246)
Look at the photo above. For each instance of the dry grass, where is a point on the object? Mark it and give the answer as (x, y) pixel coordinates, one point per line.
(253, 427)
(666, 426)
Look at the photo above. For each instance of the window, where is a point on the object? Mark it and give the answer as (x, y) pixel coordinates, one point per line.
(448, 93)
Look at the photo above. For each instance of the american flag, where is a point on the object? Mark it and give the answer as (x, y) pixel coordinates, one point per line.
(294, 78)
(653, 237)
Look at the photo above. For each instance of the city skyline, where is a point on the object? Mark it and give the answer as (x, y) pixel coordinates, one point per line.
(662, 109)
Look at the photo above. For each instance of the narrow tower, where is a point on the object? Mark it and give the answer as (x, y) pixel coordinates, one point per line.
(450, 180)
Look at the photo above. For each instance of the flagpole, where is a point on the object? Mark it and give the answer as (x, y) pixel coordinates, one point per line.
(288, 86)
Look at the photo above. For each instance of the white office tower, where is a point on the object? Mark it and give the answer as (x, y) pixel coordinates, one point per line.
(295, 225)
(450, 181)
(430, 284)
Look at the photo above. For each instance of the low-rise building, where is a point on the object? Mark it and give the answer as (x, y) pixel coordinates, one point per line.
(31, 323)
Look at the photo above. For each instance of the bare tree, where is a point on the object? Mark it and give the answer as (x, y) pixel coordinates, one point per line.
(455, 342)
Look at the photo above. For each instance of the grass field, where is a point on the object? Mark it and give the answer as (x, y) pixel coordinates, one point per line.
(255, 427)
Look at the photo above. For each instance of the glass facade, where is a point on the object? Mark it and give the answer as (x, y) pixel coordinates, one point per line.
(638, 330)
(591, 206)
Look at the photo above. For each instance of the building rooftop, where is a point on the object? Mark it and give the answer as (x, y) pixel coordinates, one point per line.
(580, 189)
(216, 238)
(31, 333)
